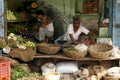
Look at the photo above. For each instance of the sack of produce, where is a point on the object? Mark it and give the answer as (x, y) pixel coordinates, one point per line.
(76, 52)
(112, 74)
(97, 70)
(66, 67)
(100, 50)
(21, 73)
(13, 62)
(25, 55)
(47, 67)
(48, 48)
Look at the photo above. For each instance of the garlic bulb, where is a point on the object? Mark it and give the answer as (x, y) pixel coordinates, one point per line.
(81, 47)
(11, 34)
(9, 37)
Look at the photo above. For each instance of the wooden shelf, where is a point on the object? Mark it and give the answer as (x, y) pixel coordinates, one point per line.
(16, 21)
(91, 14)
(62, 56)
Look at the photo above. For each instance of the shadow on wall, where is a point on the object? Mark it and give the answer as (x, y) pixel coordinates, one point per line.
(55, 15)
(91, 23)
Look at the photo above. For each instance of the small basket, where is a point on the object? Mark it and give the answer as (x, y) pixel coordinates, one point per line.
(104, 24)
(74, 54)
(48, 48)
(100, 50)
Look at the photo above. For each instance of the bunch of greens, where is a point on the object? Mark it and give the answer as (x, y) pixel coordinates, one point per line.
(19, 72)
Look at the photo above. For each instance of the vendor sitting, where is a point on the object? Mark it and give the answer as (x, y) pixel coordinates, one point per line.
(73, 32)
(45, 27)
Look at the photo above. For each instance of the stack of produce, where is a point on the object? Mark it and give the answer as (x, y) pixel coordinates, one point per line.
(19, 41)
(12, 15)
(20, 73)
(29, 44)
(112, 74)
(20, 48)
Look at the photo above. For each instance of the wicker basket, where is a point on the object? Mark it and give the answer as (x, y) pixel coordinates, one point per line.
(48, 48)
(74, 54)
(100, 50)
(111, 78)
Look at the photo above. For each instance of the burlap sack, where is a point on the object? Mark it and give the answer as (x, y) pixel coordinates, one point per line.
(13, 62)
(97, 70)
(24, 55)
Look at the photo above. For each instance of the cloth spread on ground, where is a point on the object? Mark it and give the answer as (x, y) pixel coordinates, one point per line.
(24, 55)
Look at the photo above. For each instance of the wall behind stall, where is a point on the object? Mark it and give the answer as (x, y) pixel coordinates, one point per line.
(13, 4)
(61, 12)
(67, 9)
(2, 18)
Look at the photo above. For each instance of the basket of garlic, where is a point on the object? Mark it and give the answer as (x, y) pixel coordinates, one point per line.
(77, 51)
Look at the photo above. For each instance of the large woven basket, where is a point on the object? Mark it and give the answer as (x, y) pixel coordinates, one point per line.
(48, 48)
(74, 54)
(100, 50)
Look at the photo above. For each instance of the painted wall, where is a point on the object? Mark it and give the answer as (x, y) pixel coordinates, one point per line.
(62, 11)
(2, 18)
(68, 7)
(116, 23)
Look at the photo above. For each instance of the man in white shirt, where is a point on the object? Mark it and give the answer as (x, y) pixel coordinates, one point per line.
(73, 32)
(45, 29)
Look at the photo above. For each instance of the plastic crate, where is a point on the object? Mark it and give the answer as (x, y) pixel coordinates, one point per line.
(4, 68)
(7, 77)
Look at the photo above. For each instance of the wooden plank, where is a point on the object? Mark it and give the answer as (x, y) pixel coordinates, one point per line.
(63, 56)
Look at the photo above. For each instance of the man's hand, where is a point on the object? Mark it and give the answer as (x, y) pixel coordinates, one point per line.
(76, 42)
(73, 40)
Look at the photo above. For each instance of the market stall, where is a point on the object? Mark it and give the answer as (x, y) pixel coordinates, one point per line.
(93, 58)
